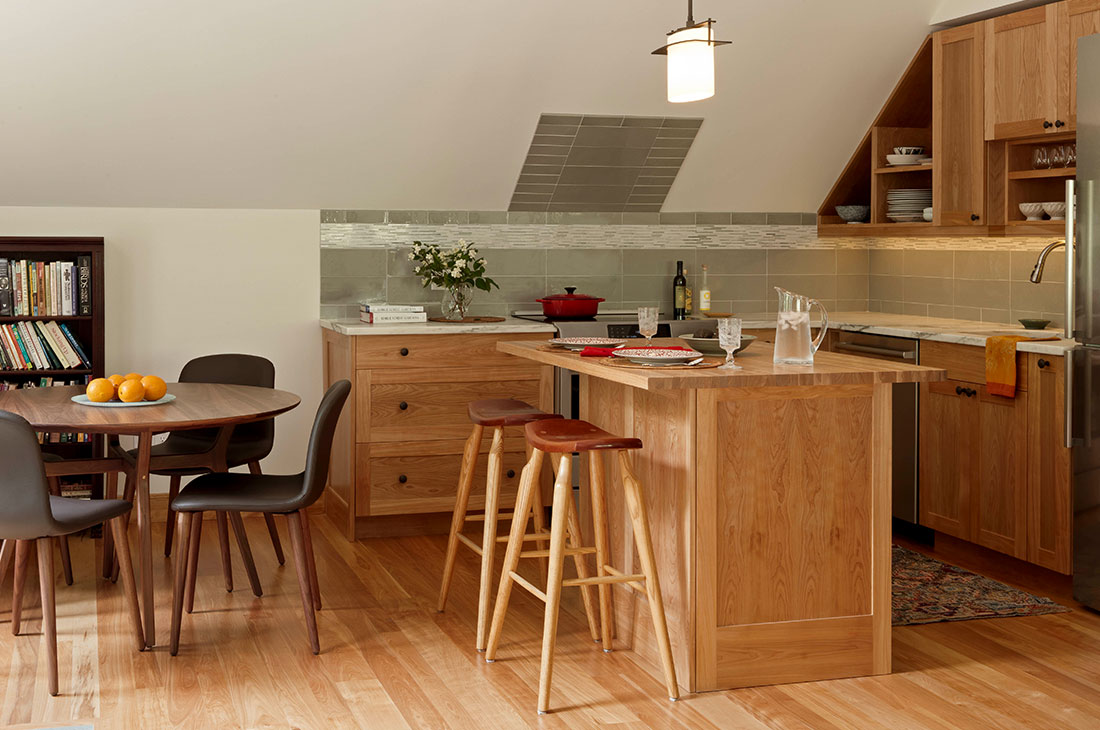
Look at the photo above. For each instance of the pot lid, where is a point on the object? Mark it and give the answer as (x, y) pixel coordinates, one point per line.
(570, 296)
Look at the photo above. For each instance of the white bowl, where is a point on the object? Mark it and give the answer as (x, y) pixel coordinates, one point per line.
(1056, 210)
(903, 159)
(910, 150)
(928, 214)
(1032, 211)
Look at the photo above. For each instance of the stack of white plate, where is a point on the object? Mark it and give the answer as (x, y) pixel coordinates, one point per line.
(905, 205)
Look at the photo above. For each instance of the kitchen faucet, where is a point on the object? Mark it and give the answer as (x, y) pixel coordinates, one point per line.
(1037, 272)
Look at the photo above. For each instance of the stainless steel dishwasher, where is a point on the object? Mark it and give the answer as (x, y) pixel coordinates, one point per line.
(906, 403)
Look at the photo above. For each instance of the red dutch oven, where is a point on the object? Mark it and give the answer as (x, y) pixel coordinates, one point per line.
(570, 305)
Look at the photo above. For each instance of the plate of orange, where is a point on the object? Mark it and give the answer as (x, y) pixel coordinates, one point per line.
(84, 401)
(125, 391)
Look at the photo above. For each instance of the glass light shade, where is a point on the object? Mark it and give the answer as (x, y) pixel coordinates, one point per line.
(690, 65)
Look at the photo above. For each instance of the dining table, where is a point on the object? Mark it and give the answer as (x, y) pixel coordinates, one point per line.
(195, 406)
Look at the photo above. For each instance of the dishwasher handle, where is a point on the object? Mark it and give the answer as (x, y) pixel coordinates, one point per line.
(878, 351)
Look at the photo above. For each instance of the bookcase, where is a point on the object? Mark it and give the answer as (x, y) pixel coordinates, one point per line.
(87, 329)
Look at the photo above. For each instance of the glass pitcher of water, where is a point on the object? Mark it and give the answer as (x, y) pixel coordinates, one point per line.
(792, 330)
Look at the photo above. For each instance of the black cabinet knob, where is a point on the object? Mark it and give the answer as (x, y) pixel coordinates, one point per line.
(403, 406)
(402, 479)
(1059, 123)
(511, 473)
(975, 216)
(404, 352)
(1043, 363)
(1047, 125)
(958, 390)
(970, 392)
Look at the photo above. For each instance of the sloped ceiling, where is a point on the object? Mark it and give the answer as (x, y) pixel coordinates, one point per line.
(420, 104)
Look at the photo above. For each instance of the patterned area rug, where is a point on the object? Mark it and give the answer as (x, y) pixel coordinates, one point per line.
(927, 590)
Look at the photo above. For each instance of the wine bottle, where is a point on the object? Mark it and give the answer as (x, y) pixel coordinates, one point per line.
(704, 293)
(679, 293)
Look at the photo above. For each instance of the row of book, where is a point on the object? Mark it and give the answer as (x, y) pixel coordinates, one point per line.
(53, 438)
(45, 288)
(36, 345)
(390, 313)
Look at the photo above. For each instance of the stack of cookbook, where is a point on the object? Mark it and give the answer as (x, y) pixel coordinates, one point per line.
(391, 313)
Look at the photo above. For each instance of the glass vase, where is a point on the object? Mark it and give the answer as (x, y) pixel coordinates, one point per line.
(456, 302)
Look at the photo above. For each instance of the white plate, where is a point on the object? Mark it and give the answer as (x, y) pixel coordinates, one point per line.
(903, 159)
(579, 343)
(656, 355)
(83, 400)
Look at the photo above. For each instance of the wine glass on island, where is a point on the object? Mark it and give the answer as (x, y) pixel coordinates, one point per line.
(647, 323)
(729, 339)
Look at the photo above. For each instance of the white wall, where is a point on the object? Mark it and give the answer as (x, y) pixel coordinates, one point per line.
(957, 12)
(182, 283)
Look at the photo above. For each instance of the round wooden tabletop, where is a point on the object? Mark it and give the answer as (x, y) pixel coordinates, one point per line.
(197, 405)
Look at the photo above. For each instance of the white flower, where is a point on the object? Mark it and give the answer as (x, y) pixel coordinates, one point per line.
(456, 272)
(412, 257)
(481, 262)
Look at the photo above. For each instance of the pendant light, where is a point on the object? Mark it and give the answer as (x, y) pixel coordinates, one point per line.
(690, 52)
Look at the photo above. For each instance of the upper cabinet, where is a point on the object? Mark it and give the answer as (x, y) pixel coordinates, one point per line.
(1021, 72)
(981, 98)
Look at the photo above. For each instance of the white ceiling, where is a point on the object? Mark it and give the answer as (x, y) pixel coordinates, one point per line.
(420, 103)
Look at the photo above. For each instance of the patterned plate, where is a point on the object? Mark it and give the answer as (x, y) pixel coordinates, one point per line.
(83, 400)
(579, 343)
(656, 355)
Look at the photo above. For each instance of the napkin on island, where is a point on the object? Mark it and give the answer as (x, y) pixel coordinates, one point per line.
(608, 351)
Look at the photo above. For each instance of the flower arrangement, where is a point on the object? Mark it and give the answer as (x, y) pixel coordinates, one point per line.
(458, 270)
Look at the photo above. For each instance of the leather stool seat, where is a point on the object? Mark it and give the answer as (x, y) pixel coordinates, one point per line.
(494, 412)
(567, 436)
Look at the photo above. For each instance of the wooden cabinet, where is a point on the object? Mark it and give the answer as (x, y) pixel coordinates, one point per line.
(993, 470)
(1077, 18)
(1049, 474)
(959, 173)
(1021, 70)
(397, 456)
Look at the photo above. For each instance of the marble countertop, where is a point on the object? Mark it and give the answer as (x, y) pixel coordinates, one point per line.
(958, 331)
(509, 325)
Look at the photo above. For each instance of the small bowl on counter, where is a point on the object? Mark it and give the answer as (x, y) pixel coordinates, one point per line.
(1034, 324)
(708, 345)
(853, 213)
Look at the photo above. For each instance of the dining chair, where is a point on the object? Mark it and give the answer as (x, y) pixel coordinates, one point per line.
(288, 495)
(7, 552)
(31, 514)
(249, 444)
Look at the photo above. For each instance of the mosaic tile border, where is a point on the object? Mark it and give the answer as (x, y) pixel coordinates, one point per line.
(496, 217)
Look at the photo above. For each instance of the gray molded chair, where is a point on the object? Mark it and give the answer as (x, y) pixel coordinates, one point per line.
(30, 514)
(272, 495)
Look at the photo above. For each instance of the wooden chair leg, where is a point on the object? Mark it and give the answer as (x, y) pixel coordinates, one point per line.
(575, 540)
(223, 545)
(129, 586)
(528, 482)
(307, 540)
(458, 518)
(246, 553)
(49, 611)
(489, 533)
(7, 552)
(272, 530)
(192, 562)
(170, 521)
(559, 517)
(538, 514)
(185, 520)
(596, 481)
(19, 579)
(62, 540)
(110, 491)
(301, 564)
(640, 520)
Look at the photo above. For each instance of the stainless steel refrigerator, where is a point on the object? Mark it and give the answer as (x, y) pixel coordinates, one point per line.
(1083, 324)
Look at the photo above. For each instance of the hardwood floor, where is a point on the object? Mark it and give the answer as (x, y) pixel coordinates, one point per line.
(390, 661)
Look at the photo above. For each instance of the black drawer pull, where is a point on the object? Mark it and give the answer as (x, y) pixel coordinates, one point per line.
(1047, 125)
(403, 406)
(402, 479)
(404, 352)
(1043, 363)
(970, 392)
(511, 473)
(975, 216)
(958, 390)
(1059, 123)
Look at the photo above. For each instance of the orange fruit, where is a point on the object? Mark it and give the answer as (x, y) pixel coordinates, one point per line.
(132, 376)
(116, 379)
(131, 391)
(100, 390)
(155, 387)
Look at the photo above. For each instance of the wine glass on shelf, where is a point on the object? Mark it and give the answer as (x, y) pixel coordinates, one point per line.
(1058, 156)
(1040, 159)
(647, 323)
(729, 339)
(1071, 154)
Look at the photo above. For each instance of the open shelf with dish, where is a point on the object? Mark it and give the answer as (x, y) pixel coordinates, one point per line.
(1035, 171)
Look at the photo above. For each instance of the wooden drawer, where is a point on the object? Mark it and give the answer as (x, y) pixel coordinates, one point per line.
(430, 479)
(434, 351)
(966, 362)
(397, 406)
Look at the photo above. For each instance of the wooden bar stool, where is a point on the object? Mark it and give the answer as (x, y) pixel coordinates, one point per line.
(497, 414)
(565, 437)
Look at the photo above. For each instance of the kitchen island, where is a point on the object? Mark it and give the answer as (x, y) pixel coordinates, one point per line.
(769, 500)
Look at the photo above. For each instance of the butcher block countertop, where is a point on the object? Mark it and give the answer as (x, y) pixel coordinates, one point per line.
(758, 370)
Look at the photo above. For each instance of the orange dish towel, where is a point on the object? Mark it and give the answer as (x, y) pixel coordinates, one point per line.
(1000, 363)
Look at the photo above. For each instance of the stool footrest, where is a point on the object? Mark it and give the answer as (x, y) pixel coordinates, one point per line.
(480, 516)
(603, 579)
(531, 588)
(469, 543)
(566, 551)
(528, 537)
(635, 586)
